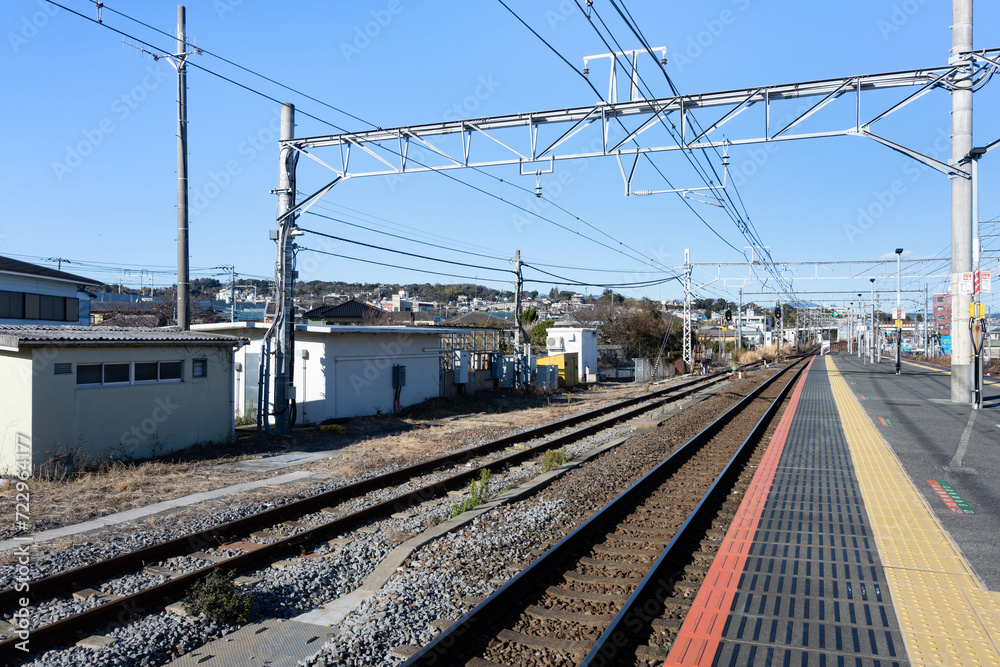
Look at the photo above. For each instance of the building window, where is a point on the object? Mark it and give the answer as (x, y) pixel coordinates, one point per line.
(24, 306)
(88, 374)
(63, 369)
(199, 368)
(170, 370)
(127, 373)
(117, 373)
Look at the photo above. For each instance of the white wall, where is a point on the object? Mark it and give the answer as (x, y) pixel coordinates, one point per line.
(348, 373)
(583, 342)
(15, 404)
(126, 421)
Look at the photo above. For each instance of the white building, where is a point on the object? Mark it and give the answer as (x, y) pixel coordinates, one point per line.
(575, 339)
(32, 294)
(347, 371)
(80, 394)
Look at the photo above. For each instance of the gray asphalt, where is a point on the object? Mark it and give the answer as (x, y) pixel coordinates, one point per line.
(927, 435)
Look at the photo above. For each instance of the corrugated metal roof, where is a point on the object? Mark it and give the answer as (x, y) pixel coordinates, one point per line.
(15, 335)
(10, 265)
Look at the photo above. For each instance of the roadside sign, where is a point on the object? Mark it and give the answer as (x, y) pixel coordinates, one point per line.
(985, 281)
(965, 285)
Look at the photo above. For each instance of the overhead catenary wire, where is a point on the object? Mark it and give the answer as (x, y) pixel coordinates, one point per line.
(403, 252)
(745, 227)
(597, 92)
(341, 129)
(405, 268)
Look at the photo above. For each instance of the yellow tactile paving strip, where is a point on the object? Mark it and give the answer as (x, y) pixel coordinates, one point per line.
(945, 615)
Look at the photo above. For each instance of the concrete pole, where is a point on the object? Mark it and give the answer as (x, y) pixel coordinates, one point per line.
(518, 364)
(183, 275)
(739, 323)
(927, 335)
(961, 203)
(232, 292)
(899, 318)
(871, 343)
(284, 311)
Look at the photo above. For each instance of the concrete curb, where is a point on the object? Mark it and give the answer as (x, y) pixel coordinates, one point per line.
(336, 611)
(156, 508)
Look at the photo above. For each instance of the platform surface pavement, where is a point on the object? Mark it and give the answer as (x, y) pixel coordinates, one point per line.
(933, 439)
(847, 555)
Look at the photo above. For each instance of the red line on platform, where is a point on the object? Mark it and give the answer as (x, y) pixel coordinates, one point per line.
(699, 638)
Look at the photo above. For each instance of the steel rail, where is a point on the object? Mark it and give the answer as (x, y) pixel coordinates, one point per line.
(57, 633)
(633, 618)
(448, 647)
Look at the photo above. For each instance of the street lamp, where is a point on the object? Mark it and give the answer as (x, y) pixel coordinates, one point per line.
(899, 317)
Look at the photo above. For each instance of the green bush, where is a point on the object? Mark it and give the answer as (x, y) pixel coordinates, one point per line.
(553, 458)
(217, 597)
(477, 494)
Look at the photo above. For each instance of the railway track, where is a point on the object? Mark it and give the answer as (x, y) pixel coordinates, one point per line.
(321, 508)
(598, 596)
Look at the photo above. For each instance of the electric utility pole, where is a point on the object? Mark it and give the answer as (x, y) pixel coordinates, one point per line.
(179, 61)
(517, 318)
(284, 309)
(232, 292)
(687, 353)
(739, 323)
(961, 199)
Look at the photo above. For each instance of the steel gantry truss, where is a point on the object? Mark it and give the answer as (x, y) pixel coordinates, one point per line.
(487, 142)
(500, 140)
(741, 273)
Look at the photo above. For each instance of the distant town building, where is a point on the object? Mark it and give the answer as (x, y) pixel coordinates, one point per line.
(941, 317)
(32, 294)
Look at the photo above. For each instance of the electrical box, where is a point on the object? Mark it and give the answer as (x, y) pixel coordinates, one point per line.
(272, 234)
(398, 376)
(461, 366)
(496, 366)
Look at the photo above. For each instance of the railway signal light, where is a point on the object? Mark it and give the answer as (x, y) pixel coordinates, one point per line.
(729, 315)
(777, 312)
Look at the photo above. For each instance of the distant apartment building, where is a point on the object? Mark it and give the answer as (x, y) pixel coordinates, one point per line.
(32, 294)
(941, 314)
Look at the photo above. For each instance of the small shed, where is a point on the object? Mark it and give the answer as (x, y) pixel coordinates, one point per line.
(579, 340)
(342, 371)
(77, 394)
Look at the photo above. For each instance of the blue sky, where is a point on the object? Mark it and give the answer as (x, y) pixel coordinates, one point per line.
(89, 168)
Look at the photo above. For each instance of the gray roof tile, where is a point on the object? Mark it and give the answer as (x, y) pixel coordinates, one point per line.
(15, 335)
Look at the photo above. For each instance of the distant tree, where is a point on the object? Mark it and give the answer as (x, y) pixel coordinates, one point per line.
(553, 294)
(540, 332)
(529, 315)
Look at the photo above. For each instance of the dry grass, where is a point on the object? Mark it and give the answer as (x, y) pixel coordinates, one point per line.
(750, 356)
(430, 429)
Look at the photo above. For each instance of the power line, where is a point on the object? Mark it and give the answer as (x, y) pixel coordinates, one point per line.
(397, 236)
(341, 129)
(570, 281)
(405, 268)
(403, 252)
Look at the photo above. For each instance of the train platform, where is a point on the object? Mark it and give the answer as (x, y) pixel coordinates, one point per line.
(869, 534)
